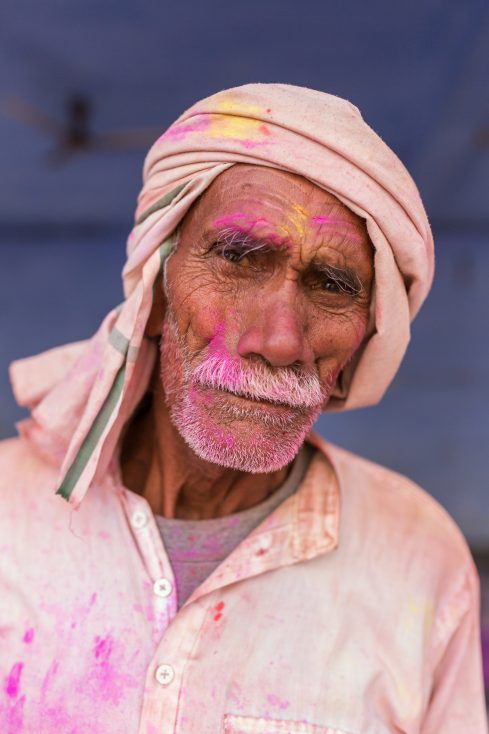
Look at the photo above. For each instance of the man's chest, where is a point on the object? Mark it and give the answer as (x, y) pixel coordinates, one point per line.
(295, 649)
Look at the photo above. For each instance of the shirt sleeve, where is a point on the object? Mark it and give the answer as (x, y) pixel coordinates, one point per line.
(457, 701)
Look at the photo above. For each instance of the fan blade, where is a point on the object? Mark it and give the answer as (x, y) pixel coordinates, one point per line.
(134, 139)
(22, 111)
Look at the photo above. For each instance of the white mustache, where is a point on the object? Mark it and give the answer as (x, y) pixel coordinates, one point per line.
(295, 387)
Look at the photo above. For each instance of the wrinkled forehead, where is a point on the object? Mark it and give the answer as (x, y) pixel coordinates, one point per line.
(289, 207)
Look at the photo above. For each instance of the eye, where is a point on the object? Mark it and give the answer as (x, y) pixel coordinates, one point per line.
(334, 281)
(234, 256)
(332, 285)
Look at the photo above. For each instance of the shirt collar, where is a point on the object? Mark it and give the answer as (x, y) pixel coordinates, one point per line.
(302, 527)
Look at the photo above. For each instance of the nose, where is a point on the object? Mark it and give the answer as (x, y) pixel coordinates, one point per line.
(275, 332)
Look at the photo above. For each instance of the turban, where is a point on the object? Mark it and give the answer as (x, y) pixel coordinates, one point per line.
(81, 395)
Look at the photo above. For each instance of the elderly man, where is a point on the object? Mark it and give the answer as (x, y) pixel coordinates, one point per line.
(226, 570)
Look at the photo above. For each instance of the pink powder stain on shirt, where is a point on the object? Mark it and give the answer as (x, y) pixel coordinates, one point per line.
(277, 702)
(106, 679)
(28, 636)
(103, 647)
(12, 683)
(147, 611)
(58, 715)
(48, 678)
(12, 716)
(218, 608)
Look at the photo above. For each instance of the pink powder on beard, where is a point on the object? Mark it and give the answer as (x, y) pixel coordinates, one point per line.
(252, 439)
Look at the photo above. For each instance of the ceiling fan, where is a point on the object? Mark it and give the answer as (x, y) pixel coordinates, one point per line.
(73, 134)
(481, 137)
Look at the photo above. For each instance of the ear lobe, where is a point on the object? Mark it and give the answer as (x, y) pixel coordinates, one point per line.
(154, 325)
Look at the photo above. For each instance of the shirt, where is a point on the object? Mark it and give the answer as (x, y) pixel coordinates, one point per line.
(352, 609)
(195, 548)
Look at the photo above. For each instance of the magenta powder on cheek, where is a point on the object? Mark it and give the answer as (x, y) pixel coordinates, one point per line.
(259, 432)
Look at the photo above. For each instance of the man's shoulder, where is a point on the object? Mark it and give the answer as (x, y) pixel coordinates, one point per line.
(22, 467)
(392, 509)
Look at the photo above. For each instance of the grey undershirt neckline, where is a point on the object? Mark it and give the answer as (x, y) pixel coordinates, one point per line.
(196, 547)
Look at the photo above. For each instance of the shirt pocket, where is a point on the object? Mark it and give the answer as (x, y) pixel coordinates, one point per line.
(251, 725)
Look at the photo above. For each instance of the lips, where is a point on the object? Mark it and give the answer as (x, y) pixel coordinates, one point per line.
(249, 407)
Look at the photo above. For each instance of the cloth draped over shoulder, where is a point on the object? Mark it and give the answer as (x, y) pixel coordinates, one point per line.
(82, 394)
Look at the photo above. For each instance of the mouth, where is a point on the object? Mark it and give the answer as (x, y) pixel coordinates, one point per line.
(253, 404)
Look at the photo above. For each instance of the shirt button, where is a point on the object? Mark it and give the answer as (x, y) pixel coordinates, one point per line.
(138, 519)
(162, 587)
(164, 674)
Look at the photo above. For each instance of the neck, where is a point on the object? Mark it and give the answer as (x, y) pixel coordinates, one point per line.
(159, 465)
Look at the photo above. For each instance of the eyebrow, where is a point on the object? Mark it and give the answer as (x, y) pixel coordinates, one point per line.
(237, 238)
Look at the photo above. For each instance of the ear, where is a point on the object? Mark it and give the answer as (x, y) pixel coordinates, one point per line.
(154, 325)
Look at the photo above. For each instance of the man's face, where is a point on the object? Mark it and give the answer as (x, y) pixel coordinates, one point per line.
(268, 296)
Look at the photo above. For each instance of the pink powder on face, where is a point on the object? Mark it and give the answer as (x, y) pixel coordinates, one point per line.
(339, 226)
(229, 219)
(12, 683)
(245, 224)
(28, 636)
(254, 435)
(240, 221)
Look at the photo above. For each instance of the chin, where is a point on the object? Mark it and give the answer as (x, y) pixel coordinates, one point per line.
(253, 440)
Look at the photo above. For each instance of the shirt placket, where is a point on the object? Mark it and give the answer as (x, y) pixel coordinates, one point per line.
(174, 637)
(304, 526)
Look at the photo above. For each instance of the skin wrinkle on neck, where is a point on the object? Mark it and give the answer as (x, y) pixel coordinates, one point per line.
(277, 307)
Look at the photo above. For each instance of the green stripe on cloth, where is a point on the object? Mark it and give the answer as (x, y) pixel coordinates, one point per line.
(164, 250)
(90, 442)
(161, 203)
(119, 341)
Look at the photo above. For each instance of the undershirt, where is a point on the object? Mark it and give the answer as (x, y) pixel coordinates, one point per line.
(196, 547)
